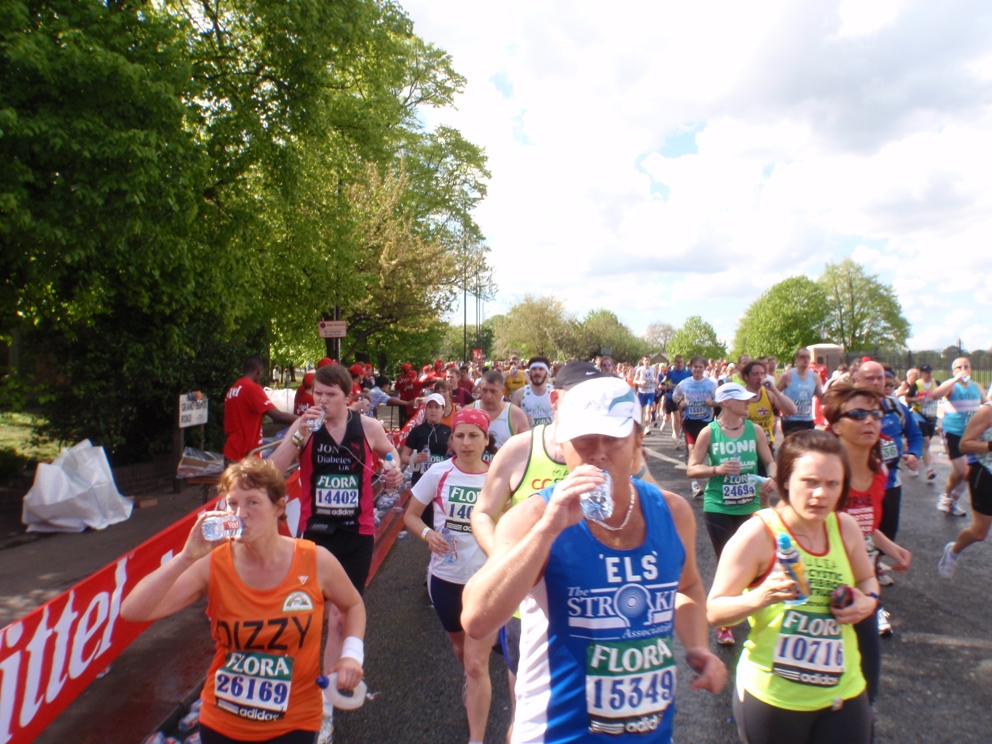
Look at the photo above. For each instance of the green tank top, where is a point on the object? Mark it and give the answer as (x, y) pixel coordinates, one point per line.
(799, 657)
(541, 470)
(732, 494)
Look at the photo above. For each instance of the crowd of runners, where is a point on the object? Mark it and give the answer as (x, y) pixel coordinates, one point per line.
(800, 480)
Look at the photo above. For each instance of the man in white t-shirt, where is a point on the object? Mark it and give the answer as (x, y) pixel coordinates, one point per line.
(646, 380)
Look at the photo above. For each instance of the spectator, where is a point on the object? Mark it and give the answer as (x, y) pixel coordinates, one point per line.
(304, 395)
(244, 406)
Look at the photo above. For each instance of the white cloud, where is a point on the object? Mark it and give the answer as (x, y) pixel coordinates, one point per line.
(824, 130)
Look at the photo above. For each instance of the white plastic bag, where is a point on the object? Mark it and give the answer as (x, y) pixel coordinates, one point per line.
(74, 492)
(284, 398)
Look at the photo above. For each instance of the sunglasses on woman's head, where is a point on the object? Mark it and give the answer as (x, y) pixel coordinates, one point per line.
(860, 414)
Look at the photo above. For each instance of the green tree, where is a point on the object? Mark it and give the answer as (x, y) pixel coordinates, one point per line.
(601, 329)
(696, 336)
(787, 316)
(862, 312)
(535, 325)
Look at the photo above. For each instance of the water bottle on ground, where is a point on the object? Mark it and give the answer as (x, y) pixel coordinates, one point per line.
(218, 527)
(792, 563)
(598, 503)
(452, 555)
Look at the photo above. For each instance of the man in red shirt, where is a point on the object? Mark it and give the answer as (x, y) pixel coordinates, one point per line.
(459, 395)
(304, 395)
(408, 387)
(244, 406)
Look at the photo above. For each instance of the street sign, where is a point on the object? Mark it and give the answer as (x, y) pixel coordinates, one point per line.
(332, 328)
(193, 409)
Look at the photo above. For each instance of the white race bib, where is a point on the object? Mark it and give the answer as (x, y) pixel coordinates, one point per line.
(339, 493)
(629, 684)
(890, 451)
(254, 685)
(809, 649)
(737, 490)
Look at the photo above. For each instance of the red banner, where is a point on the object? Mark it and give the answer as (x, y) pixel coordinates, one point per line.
(49, 656)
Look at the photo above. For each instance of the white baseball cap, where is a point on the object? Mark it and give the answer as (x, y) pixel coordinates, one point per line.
(732, 390)
(434, 398)
(606, 406)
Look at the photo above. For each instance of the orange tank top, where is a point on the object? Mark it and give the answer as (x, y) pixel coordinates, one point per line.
(262, 681)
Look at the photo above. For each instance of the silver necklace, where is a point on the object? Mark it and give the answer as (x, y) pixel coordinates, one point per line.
(630, 510)
(729, 428)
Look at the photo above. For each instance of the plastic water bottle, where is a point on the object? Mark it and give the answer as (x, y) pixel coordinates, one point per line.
(422, 467)
(598, 503)
(317, 423)
(792, 563)
(452, 555)
(219, 527)
(755, 481)
(966, 379)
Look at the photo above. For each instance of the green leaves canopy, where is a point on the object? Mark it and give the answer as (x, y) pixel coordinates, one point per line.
(862, 312)
(786, 317)
(696, 336)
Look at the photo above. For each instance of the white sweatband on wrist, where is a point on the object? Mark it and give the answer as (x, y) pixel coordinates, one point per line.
(423, 535)
(354, 648)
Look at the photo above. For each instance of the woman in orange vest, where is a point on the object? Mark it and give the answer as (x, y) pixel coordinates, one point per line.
(265, 600)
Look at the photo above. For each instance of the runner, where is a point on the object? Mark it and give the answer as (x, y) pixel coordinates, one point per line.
(646, 380)
(427, 444)
(855, 417)
(976, 443)
(274, 588)
(546, 555)
(964, 396)
(676, 373)
(459, 395)
(453, 487)
(903, 444)
(534, 398)
(728, 452)
(507, 419)
(514, 378)
(925, 407)
(799, 678)
(761, 410)
(801, 385)
(694, 396)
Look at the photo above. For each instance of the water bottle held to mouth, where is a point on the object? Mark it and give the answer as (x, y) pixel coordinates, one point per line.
(598, 503)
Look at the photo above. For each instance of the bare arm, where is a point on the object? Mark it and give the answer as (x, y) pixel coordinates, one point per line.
(521, 548)
(414, 521)
(690, 603)
(765, 453)
(507, 465)
(517, 397)
(971, 443)
(519, 419)
(782, 402)
(280, 417)
(287, 452)
(863, 570)
(746, 557)
(380, 444)
(175, 585)
(784, 380)
(698, 460)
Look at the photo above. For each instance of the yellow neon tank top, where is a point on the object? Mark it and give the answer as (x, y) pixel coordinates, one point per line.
(799, 657)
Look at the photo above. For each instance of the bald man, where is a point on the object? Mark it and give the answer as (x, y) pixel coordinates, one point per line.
(897, 424)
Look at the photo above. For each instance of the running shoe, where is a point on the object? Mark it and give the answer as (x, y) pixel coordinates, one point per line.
(697, 490)
(326, 733)
(914, 473)
(884, 626)
(931, 475)
(944, 503)
(724, 637)
(885, 579)
(956, 509)
(948, 561)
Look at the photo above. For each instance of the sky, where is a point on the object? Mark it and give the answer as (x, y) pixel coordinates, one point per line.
(667, 159)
